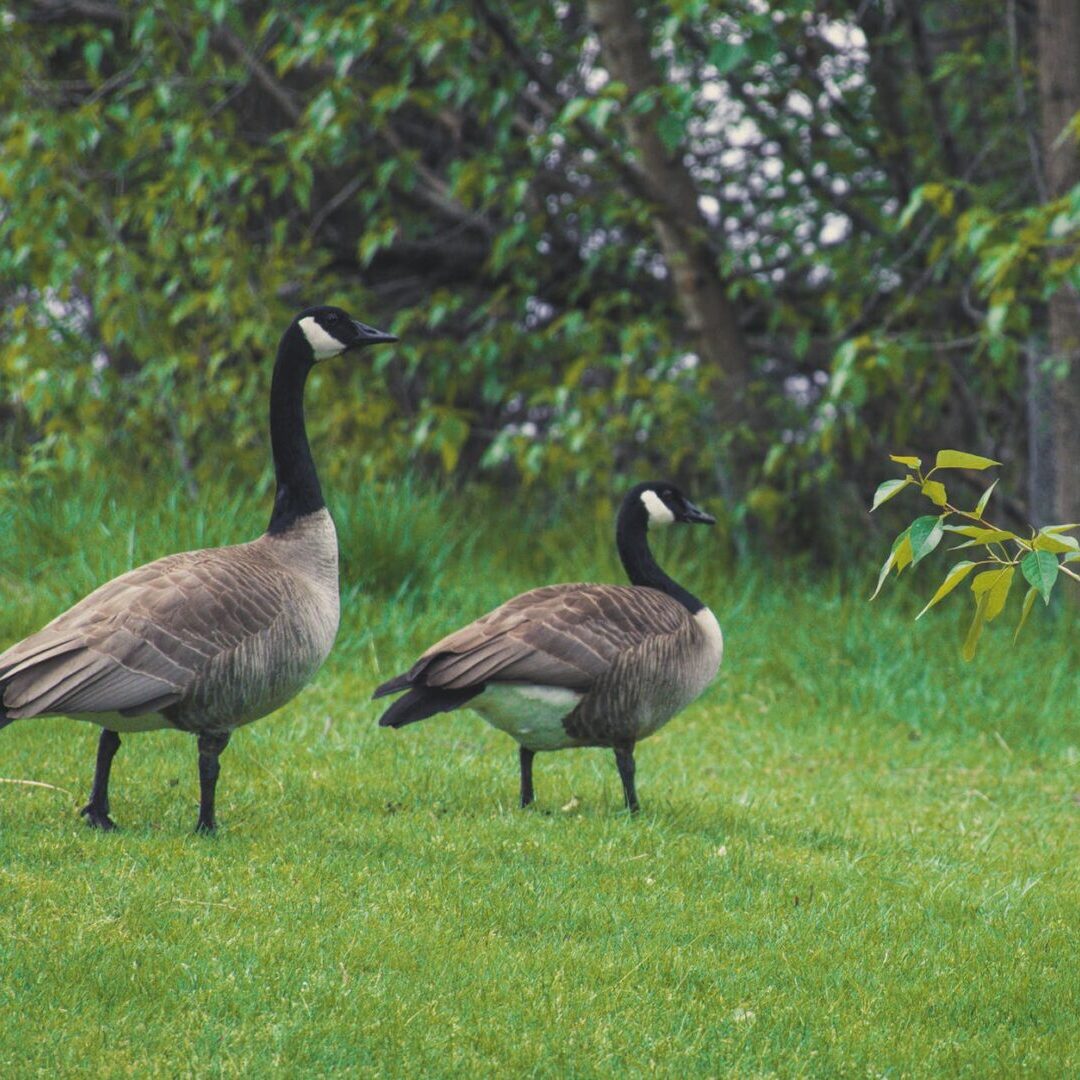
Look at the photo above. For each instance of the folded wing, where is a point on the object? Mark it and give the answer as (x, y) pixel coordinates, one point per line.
(138, 643)
(558, 635)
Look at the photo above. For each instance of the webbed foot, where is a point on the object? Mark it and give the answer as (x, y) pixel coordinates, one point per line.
(97, 818)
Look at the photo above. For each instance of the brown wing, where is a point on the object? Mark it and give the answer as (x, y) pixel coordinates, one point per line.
(558, 635)
(139, 642)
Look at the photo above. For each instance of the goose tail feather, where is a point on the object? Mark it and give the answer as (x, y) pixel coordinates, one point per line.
(424, 701)
(393, 686)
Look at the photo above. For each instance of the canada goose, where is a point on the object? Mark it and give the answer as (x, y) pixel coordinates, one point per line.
(579, 665)
(204, 641)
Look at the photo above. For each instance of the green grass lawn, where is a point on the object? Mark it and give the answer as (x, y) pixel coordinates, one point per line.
(857, 855)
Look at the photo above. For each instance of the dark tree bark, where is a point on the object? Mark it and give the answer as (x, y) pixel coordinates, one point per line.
(1059, 98)
(700, 290)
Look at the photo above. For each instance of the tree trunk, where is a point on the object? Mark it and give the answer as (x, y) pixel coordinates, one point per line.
(1040, 437)
(700, 290)
(1059, 99)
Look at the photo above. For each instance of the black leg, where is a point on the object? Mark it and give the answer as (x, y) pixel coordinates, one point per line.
(210, 746)
(527, 795)
(96, 811)
(624, 758)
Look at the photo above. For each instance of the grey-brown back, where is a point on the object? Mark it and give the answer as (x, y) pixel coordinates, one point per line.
(557, 635)
(207, 639)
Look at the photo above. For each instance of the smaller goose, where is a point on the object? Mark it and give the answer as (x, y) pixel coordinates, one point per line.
(204, 641)
(579, 665)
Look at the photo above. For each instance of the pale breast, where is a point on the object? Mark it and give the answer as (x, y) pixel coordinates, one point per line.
(267, 669)
(651, 683)
(712, 646)
(307, 548)
(691, 670)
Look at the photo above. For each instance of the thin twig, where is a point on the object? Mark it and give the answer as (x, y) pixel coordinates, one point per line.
(37, 783)
(278, 91)
(343, 196)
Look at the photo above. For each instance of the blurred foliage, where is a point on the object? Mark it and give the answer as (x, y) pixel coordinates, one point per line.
(177, 179)
(991, 571)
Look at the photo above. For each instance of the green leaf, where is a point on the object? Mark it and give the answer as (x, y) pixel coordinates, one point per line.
(899, 556)
(994, 586)
(903, 553)
(935, 492)
(1029, 600)
(925, 534)
(910, 462)
(727, 56)
(886, 567)
(600, 111)
(982, 535)
(573, 109)
(671, 132)
(1048, 541)
(888, 489)
(996, 597)
(968, 544)
(1041, 570)
(92, 52)
(940, 197)
(957, 459)
(984, 499)
(971, 642)
(912, 208)
(952, 579)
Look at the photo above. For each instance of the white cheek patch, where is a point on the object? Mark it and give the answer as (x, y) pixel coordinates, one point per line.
(323, 344)
(659, 512)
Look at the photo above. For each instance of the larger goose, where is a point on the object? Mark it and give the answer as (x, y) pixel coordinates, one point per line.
(204, 641)
(579, 665)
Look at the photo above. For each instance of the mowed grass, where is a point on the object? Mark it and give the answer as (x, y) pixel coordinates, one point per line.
(857, 855)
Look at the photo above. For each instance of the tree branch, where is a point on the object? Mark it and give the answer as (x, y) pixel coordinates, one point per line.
(925, 67)
(699, 289)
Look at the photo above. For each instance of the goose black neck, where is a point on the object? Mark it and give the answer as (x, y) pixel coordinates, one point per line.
(632, 540)
(298, 491)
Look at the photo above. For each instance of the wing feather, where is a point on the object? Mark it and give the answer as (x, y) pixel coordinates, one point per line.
(558, 635)
(34, 650)
(139, 642)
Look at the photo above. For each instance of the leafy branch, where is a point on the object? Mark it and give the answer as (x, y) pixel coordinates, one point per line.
(1041, 557)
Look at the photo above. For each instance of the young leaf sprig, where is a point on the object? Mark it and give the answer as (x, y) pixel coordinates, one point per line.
(1040, 557)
